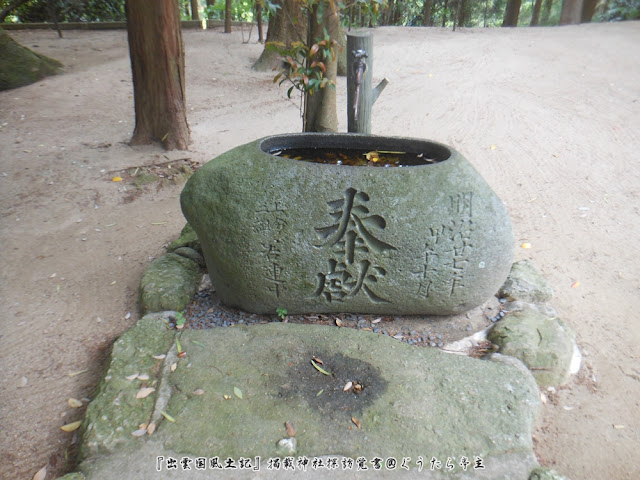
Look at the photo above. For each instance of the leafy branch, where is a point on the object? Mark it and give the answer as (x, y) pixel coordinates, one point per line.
(303, 66)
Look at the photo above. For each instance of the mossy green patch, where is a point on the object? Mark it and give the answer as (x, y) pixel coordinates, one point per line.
(544, 344)
(115, 412)
(20, 66)
(169, 283)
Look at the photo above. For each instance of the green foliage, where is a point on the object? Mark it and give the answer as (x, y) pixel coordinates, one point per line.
(303, 66)
(281, 312)
(180, 320)
(616, 10)
(68, 11)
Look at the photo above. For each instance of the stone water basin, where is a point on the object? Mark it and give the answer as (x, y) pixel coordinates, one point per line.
(276, 232)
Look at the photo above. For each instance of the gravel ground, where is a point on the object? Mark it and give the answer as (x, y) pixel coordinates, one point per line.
(207, 311)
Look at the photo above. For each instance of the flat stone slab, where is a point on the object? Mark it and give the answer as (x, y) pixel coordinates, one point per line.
(232, 390)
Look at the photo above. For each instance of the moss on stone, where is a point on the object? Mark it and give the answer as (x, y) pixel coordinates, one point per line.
(20, 66)
(544, 344)
(188, 238)
(169, 283)
(115, 412)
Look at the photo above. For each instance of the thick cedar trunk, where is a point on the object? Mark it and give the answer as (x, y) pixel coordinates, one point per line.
(287, 25)
(546, 11)
(157, 66)
(463, 12)
(444, 15)
(320, 108)
(426, 21)
(194, 10)
(535, 16)
(512, 13)
(588, 9)
(227, 16)
(259, 7)
(571, 12)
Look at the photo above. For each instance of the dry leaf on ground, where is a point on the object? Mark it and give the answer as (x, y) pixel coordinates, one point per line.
(41, 474)
(70, 427)
(145, 392)
(356, 422)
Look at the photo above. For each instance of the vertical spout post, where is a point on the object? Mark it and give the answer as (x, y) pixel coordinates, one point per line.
(360, 95)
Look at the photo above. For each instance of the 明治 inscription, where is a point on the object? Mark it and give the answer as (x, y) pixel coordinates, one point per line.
(446, 250)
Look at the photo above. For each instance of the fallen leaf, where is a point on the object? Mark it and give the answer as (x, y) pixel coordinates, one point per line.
(73, 403)
(144, 376)
(145, 392)
(526, 245)
(167, 416)
(493, 147)
(575, 284)
(291, 432)
(41, 474)
(317, 360)
(377, 320)
(237, 392)
(356, 422)
(73, 374)
(618, 427)
(226, 397)
(320, 369)
(319, 393)
(70, 427)
(339, 323)
(174, 366)
(159, 357)
(347, 386)
(116, 179)
(182, 354)
(151, 428)
(140, 432)
(198, 392)
(132, 376)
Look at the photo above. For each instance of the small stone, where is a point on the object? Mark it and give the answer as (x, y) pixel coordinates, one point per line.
(287, 446)
(526, 283)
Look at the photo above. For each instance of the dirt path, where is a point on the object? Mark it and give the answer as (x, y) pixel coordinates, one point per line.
(549, 116)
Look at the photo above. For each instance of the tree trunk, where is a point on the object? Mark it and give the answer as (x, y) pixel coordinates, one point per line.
(157, 66)
(53, 16)
(588, 9)
(571, 12)
(194, 10)
(427, 20)
(535, 16)
(512, 13)
(463, 12)
(227, 16)
(259, 7)
(444, 14)
(320, 114)
(546, 11)
(287, 25)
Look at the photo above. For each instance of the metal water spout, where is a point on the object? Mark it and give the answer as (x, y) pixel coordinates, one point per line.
(360, 66)
(360, 95)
